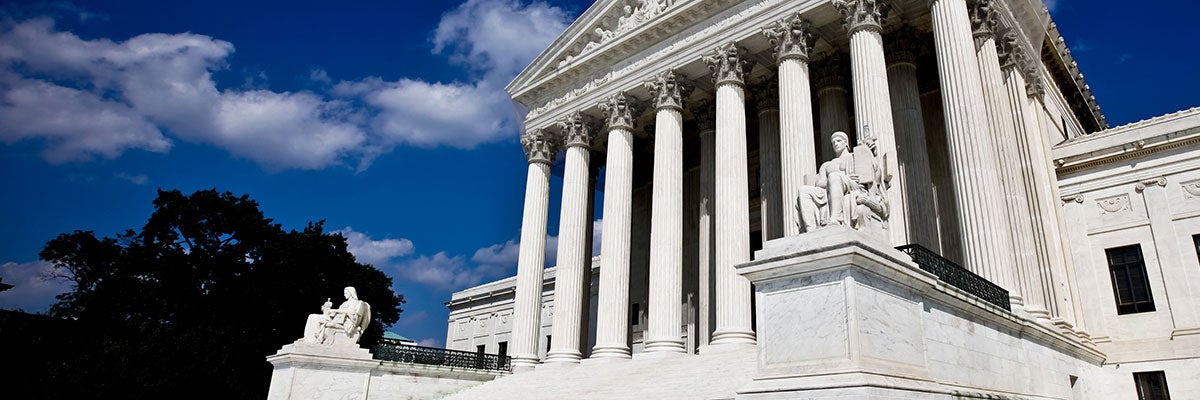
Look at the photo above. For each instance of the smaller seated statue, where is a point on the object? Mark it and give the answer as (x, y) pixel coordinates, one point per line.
(339, 326)
(848, 190)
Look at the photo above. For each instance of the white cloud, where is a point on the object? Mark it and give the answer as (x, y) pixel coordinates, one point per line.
(136, 179)
(84, 98)
(430, 342)
(374, 252)
(34, 286)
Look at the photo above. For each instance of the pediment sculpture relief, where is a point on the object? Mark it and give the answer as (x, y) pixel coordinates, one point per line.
(851, 189)
(631, 17)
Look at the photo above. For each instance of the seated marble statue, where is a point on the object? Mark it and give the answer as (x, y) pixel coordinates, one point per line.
(339, 326)
(847, 190)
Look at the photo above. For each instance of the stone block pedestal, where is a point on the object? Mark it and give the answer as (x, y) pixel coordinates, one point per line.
(843, 314)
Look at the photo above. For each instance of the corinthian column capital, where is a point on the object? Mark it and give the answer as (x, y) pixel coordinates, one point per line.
(984, 18)
(830, 71)
(620, 111)
(765, 93)
(792, 38)
(1009, 50)
(540, 146)
(668, 90)
(903, 46)
(706, 115)
(577, 130)
(728, 64)
(862, 14)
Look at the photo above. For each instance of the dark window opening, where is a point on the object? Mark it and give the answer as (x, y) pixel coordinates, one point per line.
(547, 343)
(1131, 287)
(503, 351)
(635, 311)
(1151, 385)
(1196, 244)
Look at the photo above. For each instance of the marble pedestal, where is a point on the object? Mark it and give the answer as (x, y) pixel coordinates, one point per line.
(311, 371)
(843, 314)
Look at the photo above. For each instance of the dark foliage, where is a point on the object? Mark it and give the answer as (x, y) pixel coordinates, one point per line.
(189, 306)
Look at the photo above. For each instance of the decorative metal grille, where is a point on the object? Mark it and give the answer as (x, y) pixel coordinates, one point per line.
(393, 350)
(957, 276)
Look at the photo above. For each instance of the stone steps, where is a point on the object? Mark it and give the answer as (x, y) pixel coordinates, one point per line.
(708, 376)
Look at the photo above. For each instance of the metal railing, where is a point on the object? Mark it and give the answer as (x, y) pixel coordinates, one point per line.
(393, 350)
(957, 276)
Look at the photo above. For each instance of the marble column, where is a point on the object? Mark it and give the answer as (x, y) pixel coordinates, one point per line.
(1018, 224)
(540, 148)
(706, 119)
(792, 39)
(728, 64)
(904, 45)
(872, 102)
(1034, 171)
(771, 199)
(972, 158)
(612, 313)
(666, 224)
(570, 301)
(833, 101)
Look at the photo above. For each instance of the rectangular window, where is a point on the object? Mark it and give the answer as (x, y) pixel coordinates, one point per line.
(1196, 244)
(503, 352)
(1131, 287)
(1151, 385)
(547, 343)
(635, 311)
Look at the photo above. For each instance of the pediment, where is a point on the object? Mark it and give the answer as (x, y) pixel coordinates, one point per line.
(603, 26)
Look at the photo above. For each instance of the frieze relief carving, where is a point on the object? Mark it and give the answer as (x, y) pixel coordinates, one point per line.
(629, 18)
(1114, 204)
(639, 64)
(1191, 189)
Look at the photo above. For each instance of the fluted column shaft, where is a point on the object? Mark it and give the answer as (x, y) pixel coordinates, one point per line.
(666, 234)
(913, 155)
(833, 104)
(1045, 237)
(708, 225)
(527, 303)
(773, 209)
(1019, 230)
(733, 209)
(972, 158)
(569, 298)
(612, 315)
(872, 107)
(791, 126)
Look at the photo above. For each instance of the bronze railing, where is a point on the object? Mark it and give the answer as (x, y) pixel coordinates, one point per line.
(957, 276)
(393, 350)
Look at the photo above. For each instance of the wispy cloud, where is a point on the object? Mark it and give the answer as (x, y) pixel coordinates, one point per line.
(34, 286)
(97, 98)
(374, 252)
(136, 179)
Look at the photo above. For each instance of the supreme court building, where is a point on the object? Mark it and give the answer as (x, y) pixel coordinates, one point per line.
(706, 124)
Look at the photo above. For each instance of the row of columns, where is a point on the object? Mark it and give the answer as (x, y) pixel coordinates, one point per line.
(887, 106)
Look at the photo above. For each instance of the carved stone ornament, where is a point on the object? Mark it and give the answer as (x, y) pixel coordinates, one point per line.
(792, 38)
(577, 131)
(706, 115)
(862, 14)
(1160, 181)
(1009, 51)
(765, 93)
(831, 70)
(1075, 198)
(540, 146)
(1191, 189)
(728, 64)
(620, 111)
(1114, 204)
(984, 18)
(851, 189)
(341, 326)
(668, 91)
(903, 45)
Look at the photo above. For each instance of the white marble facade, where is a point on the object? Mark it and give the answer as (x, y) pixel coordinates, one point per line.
(705, 117)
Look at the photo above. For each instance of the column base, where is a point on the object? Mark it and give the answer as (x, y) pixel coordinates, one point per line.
(563, 357)
(524, 363)
(610, 352)
(733, 336)
(665, 346)
(1039, 313)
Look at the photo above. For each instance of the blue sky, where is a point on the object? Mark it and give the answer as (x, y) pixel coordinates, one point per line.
(386, 119)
